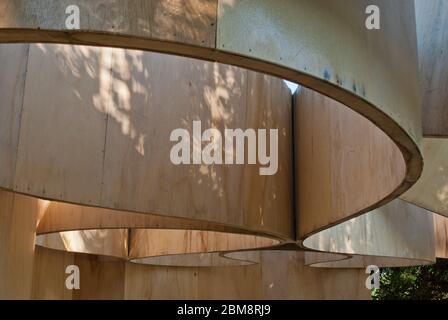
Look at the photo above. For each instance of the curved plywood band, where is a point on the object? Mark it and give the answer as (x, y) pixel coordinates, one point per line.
(397, 234)
(431, 190)
(412, 241)
(59, 217)
(97, 132)
(158, 247)
(320, 44)
(140, 238)
(127, 236)
(432, 35)
(145, 243)
(344, 165)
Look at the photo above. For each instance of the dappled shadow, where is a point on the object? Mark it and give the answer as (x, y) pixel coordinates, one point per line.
(142, 97)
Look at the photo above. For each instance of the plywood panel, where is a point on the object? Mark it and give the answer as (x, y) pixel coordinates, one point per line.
(269, 103)
(17, 232)
(13, 62)
(432, 33)
(344, 164)
(293, 280)
(189, 21)
(49, 274)
(137, 148)
(238, 283)
(282, 275)
(63, 123)
(137, 159)
(101, 278)
(145, 282)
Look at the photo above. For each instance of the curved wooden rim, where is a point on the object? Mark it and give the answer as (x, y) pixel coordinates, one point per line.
(96, 218)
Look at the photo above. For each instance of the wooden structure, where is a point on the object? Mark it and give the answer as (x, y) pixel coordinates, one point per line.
(85, 170)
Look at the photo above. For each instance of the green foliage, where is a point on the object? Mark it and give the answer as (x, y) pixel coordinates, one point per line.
(414, 283)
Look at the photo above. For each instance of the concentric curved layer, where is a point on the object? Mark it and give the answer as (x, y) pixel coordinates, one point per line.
(125, 235)
(117, 119)
(397, 234)
(89, 126)
(158, 247)
(322, 45)
(120, 155)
